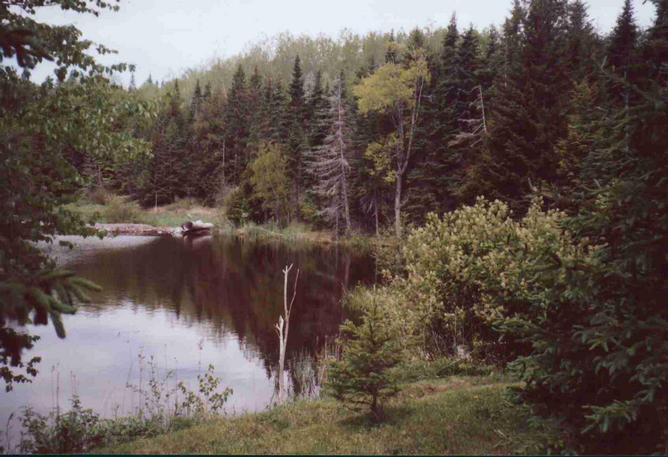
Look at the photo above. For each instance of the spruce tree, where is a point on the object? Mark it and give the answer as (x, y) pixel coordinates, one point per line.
(528, 117)
(237, 127)
(363, 378)
(582, 53)
(624, 57)
(195, 101)
(254, 111)
(431, 177)
(607, 354)
(297, 141)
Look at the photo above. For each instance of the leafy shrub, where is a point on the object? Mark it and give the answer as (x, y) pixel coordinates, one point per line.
(99, 195)
(118, 210)
(461, 271)
(566, 310)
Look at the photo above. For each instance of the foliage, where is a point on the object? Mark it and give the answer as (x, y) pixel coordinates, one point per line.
(270, 181)
(46, 132)
(396, 91)
(370, 350)
(390, 86)
(118, 210)
(80, 430)
(457, 269)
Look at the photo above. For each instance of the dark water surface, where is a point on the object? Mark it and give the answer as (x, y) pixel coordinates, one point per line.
(187, 305)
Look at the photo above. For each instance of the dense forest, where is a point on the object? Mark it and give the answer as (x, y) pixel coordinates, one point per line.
(377, 131)
(525, 168)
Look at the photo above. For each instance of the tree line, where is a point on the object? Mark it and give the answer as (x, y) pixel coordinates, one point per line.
(490, 112)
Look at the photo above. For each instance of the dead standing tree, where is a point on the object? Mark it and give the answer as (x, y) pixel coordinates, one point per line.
(329, 162)
(283, 328)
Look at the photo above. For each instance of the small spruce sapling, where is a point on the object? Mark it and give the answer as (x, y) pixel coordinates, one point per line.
(363, 378)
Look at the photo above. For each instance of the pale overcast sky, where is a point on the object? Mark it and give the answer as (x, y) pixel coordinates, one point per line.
(165, 37)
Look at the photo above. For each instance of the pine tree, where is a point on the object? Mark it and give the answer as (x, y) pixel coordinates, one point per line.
(169, 173)
(297, 141)
(195, 101)
(391, 52)
(491, 62)
(656, 47)
(237, 127)
(607, 355)
(273, 123)
(529, 113)
(623, 56)
(317, 105)
(133, 85)
(370, 350)
(581, 43)
(254, 111)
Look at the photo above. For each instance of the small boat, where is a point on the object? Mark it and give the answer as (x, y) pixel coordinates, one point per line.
(196, 228)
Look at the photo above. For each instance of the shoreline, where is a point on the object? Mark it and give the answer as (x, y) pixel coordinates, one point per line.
(137, 229)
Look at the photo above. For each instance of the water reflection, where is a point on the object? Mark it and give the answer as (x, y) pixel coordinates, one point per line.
(190, 303)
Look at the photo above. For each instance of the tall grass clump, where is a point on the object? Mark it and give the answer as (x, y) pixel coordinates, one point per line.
(163, 408)
(119, 210)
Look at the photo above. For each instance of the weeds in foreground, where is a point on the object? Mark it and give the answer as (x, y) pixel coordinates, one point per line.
(163, 409)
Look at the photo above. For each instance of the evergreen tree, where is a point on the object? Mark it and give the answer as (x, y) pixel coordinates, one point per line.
(195, 101)
(170, 175)
(528, 117)
(430, 180)
(273, 123)
(317, 105)
(237, 128)
(133, 84)
(623, 57)
(581, 43)
(297, 141)
(607, 354)
(254, 110)
(656, 48)
(363, 377)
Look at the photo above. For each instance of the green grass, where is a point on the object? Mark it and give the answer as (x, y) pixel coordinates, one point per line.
(458, 415)
(117, 209)
(120, 210)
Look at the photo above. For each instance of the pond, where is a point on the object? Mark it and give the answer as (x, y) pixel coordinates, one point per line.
(173, 307)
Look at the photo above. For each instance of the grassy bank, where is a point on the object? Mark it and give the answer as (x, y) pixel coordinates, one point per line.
(456, 415)
(115, 209)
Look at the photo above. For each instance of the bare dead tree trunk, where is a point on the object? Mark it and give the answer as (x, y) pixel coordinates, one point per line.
(344, 162)
(397, 205)
(223, 165)
(283, 329)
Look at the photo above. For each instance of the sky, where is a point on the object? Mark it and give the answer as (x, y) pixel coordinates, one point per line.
(165, 37)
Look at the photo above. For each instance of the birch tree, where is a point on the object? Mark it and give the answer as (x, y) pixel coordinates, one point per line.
(329, 164)
(396, 90)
